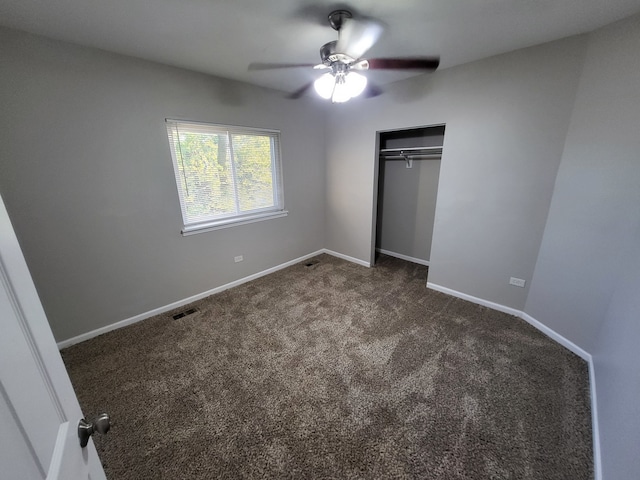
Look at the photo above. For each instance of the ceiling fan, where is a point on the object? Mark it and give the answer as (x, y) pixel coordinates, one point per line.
(343, 60)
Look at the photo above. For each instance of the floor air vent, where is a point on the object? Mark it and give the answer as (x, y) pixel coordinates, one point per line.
(184, 314)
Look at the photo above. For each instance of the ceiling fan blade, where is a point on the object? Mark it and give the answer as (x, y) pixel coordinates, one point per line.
(272, 66)
(300, 92)
(414, 63)
(358, 36)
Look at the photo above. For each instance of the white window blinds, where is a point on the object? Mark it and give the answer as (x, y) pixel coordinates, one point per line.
(225, 174)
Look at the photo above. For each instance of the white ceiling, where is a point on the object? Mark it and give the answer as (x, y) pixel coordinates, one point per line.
(221, 37)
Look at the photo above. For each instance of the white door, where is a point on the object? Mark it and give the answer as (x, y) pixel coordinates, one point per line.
(39, 411)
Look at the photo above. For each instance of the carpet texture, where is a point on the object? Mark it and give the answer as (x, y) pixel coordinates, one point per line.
(336, 371)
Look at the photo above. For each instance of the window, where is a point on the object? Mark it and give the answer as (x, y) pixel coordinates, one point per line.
(225, 175)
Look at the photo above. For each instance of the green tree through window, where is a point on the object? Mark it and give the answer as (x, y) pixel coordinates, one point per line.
(225, 174)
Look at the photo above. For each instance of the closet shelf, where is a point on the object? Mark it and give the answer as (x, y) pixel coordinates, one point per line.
(411, 153)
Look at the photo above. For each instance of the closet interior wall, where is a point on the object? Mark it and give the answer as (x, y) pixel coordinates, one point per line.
(409, 169)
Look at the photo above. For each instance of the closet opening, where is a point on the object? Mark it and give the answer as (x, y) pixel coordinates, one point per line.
(405, 192)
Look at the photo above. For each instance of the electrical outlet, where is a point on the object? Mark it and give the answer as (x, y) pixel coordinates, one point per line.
(518, 282)
(238, 258)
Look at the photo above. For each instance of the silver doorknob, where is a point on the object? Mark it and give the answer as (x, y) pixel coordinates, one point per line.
(101, 424)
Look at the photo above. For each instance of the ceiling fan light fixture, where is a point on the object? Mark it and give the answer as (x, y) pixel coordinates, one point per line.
(324, 85)
(340, 88)
(342, 57)
(356, 83)
(341, 92)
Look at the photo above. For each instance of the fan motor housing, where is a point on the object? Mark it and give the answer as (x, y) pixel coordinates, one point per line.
(329, 55)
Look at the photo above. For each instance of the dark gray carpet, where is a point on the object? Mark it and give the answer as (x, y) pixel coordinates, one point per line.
(336, 371)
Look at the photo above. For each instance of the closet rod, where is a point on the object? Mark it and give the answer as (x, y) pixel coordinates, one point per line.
(412, 157)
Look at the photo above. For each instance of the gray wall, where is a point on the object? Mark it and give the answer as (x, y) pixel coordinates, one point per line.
(586, 284)
(616, 361)
(596, 202)
(86, 175)
(407, 206)
(506, 121)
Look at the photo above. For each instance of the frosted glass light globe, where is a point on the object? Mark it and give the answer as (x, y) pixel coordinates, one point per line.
(324, 85)
(340, 88)
(355, 83)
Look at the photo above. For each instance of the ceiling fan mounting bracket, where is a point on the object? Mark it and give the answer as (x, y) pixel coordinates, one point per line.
(336, 18)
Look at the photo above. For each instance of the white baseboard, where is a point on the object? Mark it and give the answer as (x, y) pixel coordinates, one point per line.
(403, 257)
(518, 313)
(156, 311)
(185, 301)
(568, 344)
(555, 336)
(579, 351)
(346, 257)
(470, 298)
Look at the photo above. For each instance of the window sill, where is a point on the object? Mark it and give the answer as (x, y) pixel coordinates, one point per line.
(220, 224)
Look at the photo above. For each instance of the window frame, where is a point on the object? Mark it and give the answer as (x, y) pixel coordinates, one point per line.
(211, 223)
